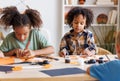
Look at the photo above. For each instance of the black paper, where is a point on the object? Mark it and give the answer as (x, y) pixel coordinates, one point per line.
(63, 71)
(6, 68)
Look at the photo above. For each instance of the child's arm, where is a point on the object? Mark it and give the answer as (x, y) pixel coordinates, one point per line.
(63, 50)
(62, 53)
(90, 49)
(1, 54)
(88, 70)
(40, 52)
(88, 52)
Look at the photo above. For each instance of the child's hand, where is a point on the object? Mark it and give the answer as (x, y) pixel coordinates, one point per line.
(62, 54)
(1, 54)
(18, 52)
(27, 53)
(88, 52)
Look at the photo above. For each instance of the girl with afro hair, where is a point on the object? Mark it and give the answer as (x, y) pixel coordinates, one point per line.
(26, 40)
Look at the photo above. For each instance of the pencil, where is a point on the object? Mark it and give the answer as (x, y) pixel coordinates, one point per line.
(51, 58)
(107, 57)
(27, 45)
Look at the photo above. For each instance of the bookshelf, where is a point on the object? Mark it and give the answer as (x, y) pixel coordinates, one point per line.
(101, 31)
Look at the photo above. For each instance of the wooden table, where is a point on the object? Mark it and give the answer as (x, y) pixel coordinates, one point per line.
(34, 74)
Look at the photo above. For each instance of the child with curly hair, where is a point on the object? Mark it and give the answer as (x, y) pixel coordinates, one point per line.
(26, 40)
(79, 40)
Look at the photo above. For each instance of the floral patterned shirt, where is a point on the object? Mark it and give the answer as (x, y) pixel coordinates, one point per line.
(76, 44)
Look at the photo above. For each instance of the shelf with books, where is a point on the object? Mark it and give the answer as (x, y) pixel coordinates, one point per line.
(110, 10)
(94, 5)
(100, 25)
(97, 2)
(115, 25)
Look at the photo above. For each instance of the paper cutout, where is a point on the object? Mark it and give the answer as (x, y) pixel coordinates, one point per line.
(46, 66)
(7, 60)
(6, 68)
(63, 71)
(17, 68)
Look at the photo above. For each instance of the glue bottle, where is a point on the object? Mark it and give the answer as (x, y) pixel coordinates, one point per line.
(67, 58)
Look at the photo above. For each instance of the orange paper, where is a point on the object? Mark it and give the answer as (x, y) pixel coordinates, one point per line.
(7, 60)
(17, 68)
(47, 66)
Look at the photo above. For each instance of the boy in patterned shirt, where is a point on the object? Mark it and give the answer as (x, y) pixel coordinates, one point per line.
(78, 40)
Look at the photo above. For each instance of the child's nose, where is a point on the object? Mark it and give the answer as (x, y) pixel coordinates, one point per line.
(22, 37)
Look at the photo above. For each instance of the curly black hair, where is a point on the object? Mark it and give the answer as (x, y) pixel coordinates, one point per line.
(12, 17)
(76, 11)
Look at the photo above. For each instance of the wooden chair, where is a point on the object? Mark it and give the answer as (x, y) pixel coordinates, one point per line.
(102, 51)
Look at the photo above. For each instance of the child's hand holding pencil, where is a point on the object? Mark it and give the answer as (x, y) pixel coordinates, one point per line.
(27, 53)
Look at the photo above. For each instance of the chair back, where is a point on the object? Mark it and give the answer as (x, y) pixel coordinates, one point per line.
(102, 51)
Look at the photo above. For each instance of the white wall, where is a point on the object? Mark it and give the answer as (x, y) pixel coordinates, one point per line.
(51, 13)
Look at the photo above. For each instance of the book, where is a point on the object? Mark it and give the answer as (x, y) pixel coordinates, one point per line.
(109, 17)
(112, 17)
(66, 2)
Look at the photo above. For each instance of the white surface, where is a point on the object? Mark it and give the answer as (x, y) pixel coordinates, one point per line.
(32, 72)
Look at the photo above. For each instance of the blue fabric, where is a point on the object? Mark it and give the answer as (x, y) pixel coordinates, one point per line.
(109, 71)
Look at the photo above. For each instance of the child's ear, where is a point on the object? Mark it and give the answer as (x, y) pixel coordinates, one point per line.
(117, 46)
(71, 24)
(85, 26)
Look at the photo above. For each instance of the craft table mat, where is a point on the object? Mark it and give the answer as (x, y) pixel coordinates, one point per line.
(63, 71)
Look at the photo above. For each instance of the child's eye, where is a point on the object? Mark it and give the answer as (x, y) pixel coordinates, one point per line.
(75, 22)
(81, 23)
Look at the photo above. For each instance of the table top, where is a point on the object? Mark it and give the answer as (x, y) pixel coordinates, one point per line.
(33, 72)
